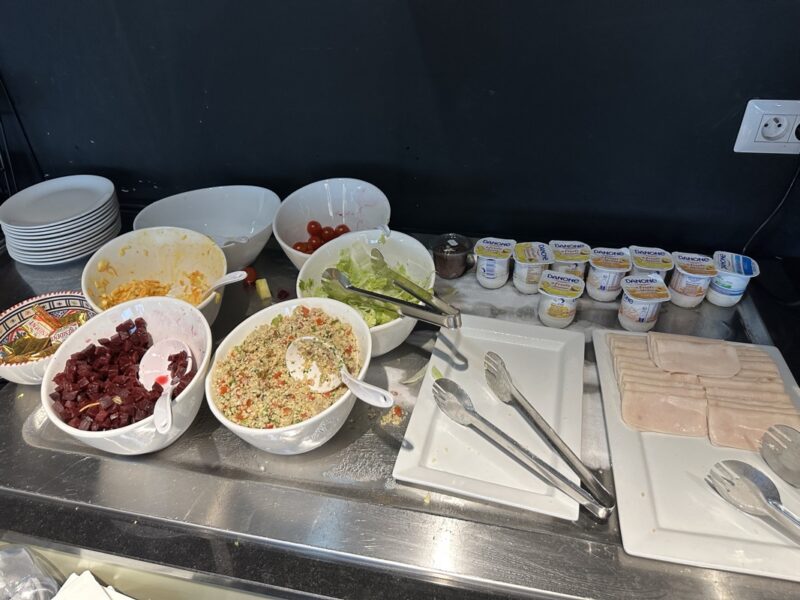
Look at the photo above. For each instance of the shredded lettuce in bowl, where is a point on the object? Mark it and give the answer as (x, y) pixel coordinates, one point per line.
(355, 263)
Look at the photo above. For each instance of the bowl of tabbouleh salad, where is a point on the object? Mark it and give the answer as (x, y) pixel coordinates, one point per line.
(251, 392)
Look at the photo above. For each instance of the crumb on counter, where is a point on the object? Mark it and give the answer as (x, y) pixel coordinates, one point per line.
(394, 416)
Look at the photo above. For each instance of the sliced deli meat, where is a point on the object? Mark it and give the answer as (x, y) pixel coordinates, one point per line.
(737, 427)
(665, 413)
(685, 354)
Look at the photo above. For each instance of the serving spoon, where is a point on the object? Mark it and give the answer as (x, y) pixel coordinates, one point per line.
(154, 368)
(176, 291)
(297, 358)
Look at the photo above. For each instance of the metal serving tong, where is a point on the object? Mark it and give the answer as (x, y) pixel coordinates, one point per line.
(435, 311)
(499, 380)
(456, 404)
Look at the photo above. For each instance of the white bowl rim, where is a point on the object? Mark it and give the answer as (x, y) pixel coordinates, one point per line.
(32, 300)
(192, 232)
(317, 417)
(287, 247)
(205, 189)
(110, 433)
(377, 328)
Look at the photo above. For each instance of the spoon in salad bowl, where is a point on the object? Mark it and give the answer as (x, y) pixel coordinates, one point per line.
(154, 368)
(315, 360)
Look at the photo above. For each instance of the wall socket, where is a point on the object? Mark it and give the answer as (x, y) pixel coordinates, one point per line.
(770, 126)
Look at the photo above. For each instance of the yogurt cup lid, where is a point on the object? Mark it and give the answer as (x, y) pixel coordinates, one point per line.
(651, 259)
(494, 247)
(533, 253)
(611, 259)
(694, 264)
(645, 288)
(561, 285)
(736, 264)
(564, 251)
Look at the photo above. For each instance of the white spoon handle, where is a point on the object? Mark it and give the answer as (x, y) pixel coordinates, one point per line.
(162, 413)
(371, 394)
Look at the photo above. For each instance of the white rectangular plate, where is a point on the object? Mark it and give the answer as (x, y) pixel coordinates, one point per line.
(547, 366)
(668, 512)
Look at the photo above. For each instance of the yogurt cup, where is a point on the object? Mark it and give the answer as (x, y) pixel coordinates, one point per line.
(531, 259)
(607, 267)
(642, 296)
(570, 257)
(734, 272)
(493, 256)
(558, 302)
(690, 281)
(650, 261)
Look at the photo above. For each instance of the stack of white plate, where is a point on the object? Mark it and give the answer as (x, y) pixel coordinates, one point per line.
(60, 220)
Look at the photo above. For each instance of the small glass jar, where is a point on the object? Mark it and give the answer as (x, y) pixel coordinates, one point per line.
(451, 255)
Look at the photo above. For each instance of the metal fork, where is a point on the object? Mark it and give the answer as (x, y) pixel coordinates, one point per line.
(752, 492)
(780, 449)
(499, 380)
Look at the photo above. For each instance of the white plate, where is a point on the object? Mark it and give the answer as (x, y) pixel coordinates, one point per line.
(547, 366)
(108, 209)
(61, 260)
(93, 240)
(67, 241)
(56, 201)
(666, 510)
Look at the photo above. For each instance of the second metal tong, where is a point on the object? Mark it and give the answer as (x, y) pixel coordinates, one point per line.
(499, 380)
(435, 311)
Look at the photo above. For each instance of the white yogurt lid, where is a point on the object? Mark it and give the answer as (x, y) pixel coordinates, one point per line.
(611, 259)
(651, 259)
(694, 264)
(533, 253)
(561, 285)
(494, 247)
(564, 251)
(737, 264)
(645, 288)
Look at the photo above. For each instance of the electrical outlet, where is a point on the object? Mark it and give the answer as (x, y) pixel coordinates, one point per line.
(770, 126)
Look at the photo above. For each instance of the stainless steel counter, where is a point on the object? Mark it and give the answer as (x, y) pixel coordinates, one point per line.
(340, 503)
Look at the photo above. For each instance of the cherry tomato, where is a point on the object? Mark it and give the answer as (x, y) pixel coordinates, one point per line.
(251, 275)
(300, 246)
(314, 242)
(327, 234)
(341, 230)
(313, 228)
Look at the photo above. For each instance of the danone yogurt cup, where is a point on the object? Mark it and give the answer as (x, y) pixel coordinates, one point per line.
(734, 272)
(642, 296)
(607, 267)
(689, 283)
(530, 261)
(492, 256)
(570, 257)
(650, 261)
(559, 298)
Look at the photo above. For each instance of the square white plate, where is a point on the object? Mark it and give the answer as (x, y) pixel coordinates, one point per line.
(668, 512)
(547, 366)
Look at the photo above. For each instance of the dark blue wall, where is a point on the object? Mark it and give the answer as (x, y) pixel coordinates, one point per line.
(609, 121)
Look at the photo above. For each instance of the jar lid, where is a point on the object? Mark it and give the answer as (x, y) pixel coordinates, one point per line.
(570, 251)
(611, 259)
(561, 285)
(645, 288)
(694, 264)
(533, 253)
(494, 247)
(736, 264)
(651, 259)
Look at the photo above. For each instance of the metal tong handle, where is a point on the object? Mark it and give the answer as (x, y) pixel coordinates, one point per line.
(784, 520)
(540, 424)
(537, 466)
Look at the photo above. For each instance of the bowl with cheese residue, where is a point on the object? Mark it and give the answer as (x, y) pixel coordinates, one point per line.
(157, 261)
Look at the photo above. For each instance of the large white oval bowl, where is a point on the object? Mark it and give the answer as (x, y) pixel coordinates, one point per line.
(223, 213)
(166, 318)
(162, 253)
(311, 433)
(355, 203)
(398, 249)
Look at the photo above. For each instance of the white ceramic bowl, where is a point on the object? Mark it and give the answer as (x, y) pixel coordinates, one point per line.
(166, 318)
(398, 249)
(57, 304)
(357, 204)
(162, 253)
(222, 213)
(311, 433)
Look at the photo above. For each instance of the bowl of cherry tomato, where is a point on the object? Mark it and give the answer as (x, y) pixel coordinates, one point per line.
(322, 211)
